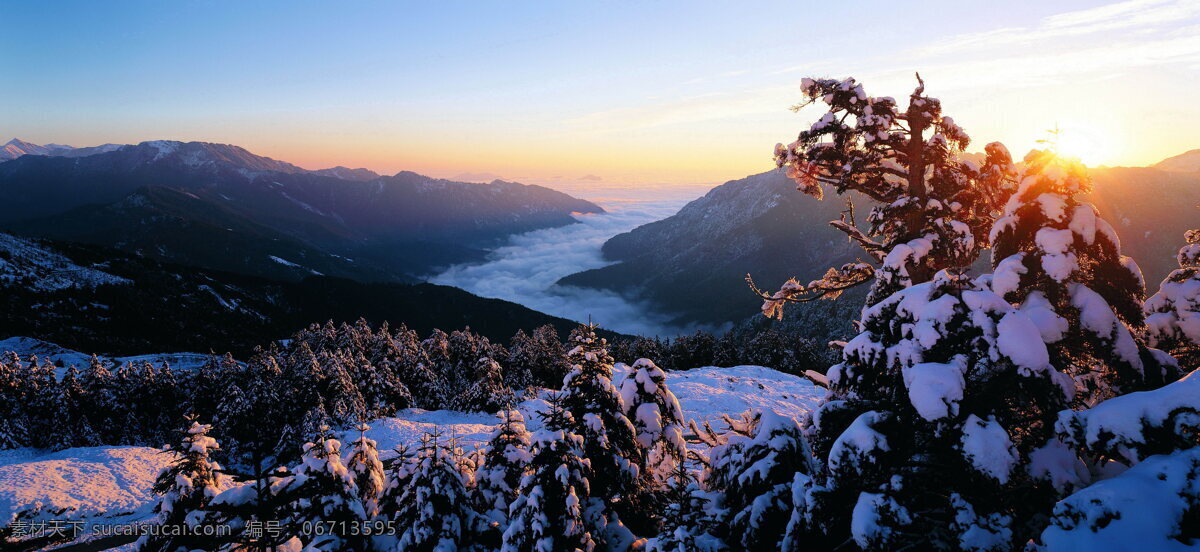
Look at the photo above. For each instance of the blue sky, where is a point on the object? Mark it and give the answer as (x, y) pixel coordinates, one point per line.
(632, 92)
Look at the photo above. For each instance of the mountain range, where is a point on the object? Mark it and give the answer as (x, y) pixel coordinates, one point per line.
(693, 264)
(222, 207)
(102, 300)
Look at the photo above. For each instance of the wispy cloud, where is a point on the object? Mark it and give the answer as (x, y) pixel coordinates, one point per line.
(1131, 16)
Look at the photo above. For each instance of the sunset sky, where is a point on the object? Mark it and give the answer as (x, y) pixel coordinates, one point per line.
(646, 92)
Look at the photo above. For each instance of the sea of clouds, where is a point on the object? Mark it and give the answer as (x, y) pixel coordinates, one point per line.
(525, 269)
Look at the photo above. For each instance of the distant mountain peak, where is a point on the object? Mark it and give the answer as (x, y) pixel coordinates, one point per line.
(1188, 161)
(346, 173)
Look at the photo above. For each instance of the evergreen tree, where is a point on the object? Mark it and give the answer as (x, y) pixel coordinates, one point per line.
(369, 477)
(548, 512)
(13, 429)
(70, 414)
(754, 466)
(1055, 257)
(413, 369)
(685, 520)
(933, 209)
(547, 359)
(657, 419)
(521, 351)
(323, 492)
(343, 400)
(434, 508)
(488, 392)
(505, 461)
(1173, 314)
(98, 386)
(938, 419)
(188, 487)
(609, 438)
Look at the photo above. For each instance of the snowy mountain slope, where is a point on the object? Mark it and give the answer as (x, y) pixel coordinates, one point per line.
(16, 148)
(31, 264)
(64, 357)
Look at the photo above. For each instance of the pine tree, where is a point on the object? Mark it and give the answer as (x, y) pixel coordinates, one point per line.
(343, 400)
(98, 386)
(324, 493)
(487, 392)
(434, 508)
(1055, 257)
(547, 358)
(684, 520)
(548, 512)
(938, 420)
(933, 209)
(369, 476)
(521, 351)
(188, 487)
(609, 438)
(70, 414)
(413, 367)
(13, 429)
(754, 466)
(505, 461)
(657, 419)
(1173, 314)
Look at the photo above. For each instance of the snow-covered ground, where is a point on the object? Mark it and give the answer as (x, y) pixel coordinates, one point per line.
(25, 261)
(115, 481)
(44, 350)
(77, 483)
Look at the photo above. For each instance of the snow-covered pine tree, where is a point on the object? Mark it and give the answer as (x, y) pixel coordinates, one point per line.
(325, 495)
(434, 509)
(685, 520)
(487, 392)
(548, 359)
(506, 458)
(521, 350)
(188, 486)
(378, 389)
(70, 413)
(13, 430)
(367, 470)
(1173, 314)
(343, 400)
(548, 512)
(1155, 504)
(1061, 263)
(938, 429)
(753, 467)
(933, 209)
(97, 381)
(657, 419)
(412, 366)
(609, 438)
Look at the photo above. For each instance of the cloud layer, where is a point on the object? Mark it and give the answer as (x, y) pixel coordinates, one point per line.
(525, 270)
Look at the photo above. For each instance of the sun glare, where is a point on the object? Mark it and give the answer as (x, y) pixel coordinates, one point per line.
(1088, 144)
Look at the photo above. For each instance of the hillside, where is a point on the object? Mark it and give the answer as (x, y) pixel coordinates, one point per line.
(1188, 161)
(100, 300)
(693, 264)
